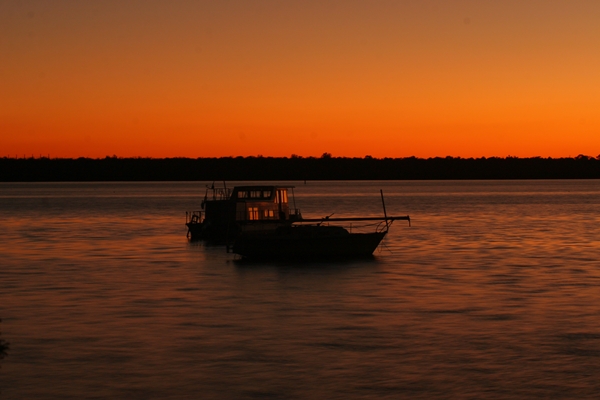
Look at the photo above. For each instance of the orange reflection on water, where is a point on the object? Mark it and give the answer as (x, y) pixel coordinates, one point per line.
(492, 292)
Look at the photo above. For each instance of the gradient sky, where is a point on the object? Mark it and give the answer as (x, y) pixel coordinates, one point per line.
(274, 78)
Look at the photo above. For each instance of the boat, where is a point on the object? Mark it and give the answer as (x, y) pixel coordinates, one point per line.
(314, 239)
(227, 212)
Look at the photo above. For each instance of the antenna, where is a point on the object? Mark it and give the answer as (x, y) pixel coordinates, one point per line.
(384, 212)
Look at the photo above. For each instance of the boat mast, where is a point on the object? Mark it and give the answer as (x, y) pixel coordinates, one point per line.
(387, 225)
(294, 198)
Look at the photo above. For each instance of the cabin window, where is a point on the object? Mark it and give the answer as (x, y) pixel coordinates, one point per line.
(269, 213)
(281, 196)
(266, 194)
(242, 194)
(255, 194)
(253, 213)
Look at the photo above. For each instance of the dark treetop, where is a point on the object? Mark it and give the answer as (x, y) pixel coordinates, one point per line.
(325, 167)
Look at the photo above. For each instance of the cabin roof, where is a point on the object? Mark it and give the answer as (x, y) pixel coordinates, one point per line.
(261, 187)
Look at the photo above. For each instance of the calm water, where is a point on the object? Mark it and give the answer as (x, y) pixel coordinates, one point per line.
(494, 292)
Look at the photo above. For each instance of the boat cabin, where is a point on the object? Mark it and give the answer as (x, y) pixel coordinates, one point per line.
(255, 203)
(226, 211)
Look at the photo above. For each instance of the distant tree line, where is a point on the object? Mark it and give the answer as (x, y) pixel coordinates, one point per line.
(326, 167)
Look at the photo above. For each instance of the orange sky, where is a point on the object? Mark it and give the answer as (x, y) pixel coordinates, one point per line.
(275, 78)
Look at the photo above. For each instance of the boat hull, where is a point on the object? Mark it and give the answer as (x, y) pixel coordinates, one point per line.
(309, 246)
(227, 233)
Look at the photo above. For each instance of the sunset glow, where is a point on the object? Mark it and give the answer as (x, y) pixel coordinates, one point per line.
(352, 78)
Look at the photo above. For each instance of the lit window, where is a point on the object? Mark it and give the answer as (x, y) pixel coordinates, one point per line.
(281, 196)
(253, 213)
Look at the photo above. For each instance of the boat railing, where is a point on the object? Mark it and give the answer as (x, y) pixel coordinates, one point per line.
(379, 224)
(296, 215)
(194, 217)
(220, 193)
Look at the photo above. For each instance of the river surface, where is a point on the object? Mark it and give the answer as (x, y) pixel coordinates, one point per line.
(493, 292)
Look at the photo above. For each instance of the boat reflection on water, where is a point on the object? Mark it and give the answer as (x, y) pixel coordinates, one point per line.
(256, 222)
(3, 346)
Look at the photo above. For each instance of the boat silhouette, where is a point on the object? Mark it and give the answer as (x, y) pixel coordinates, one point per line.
(258, 222)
